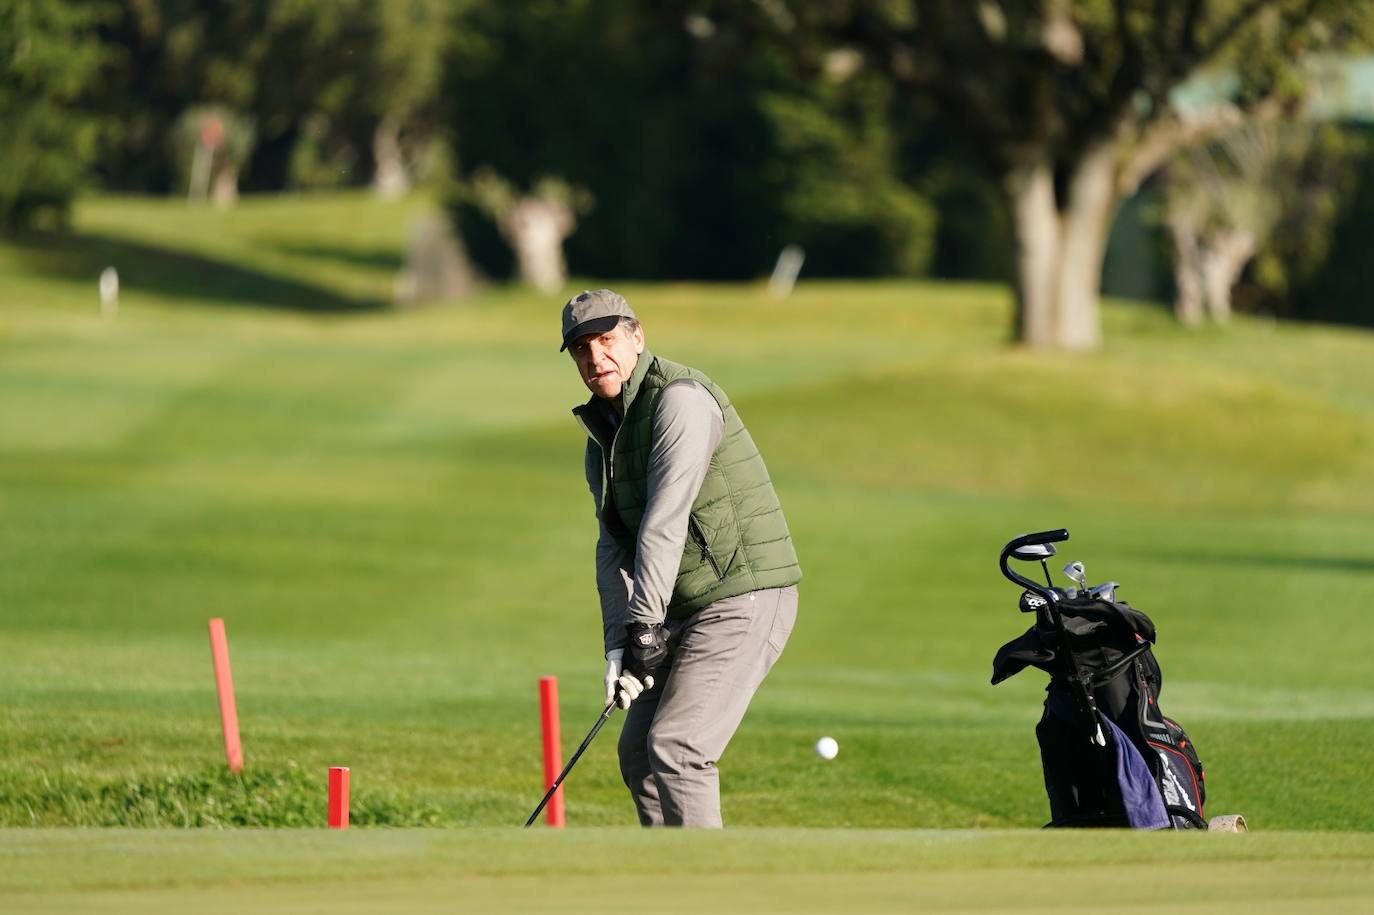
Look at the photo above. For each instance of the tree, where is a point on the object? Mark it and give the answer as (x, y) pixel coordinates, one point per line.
(1330, 280)
(350, 87)
(705, 155)
(533, 224)
(834, 171)
(1067, 105)
(339, 91)
(407, 68)
(49, 60)
(1265, 192)
(215, 143)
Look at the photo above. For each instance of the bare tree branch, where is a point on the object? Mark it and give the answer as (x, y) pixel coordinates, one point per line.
(1228, 30)
(1165, 136)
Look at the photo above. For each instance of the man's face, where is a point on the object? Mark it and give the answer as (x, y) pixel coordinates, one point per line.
(605, 361)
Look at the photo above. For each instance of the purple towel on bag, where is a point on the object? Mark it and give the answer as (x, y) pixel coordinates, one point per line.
(1139, 792)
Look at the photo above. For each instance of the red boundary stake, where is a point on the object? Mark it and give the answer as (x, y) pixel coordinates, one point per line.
(338, 797)
(224, 685)
(553, 747)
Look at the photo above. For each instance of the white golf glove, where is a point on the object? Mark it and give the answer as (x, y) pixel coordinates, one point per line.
(625, 688)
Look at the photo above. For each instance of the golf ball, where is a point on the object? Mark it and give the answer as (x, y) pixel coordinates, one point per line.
(826, 748)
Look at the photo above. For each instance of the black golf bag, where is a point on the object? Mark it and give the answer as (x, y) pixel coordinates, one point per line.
(1114, 759)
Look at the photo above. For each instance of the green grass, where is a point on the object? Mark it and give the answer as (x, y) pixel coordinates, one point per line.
(387, 509)
(747, 870)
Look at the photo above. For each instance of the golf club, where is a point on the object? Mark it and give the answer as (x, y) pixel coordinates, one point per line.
(1038, 546)
(1105, 591)
(586, 742)
(1032, 551)
(1077, 574)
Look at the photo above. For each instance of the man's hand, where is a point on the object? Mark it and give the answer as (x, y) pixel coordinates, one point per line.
(647, 650)
(613, 668)
(623, 687)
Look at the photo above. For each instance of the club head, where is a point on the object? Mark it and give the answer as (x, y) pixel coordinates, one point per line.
(1077, 574)
(1031, 602)
(1105, 591)
(1032, 552)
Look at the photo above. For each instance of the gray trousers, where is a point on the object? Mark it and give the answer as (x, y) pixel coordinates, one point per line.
(674, 733)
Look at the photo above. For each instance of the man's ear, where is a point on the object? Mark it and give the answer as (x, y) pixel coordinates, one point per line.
(638, 338)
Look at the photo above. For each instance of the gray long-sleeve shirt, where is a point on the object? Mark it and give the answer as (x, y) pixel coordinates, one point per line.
(687, 428)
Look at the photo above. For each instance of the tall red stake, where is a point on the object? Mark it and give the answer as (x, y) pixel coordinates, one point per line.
(224, 684)
(553, 746)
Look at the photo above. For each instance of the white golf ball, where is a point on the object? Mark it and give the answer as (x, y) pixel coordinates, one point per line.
(826, 748)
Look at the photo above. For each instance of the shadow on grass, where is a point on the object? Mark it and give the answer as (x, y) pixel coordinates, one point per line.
(377, 258)
(159, 271)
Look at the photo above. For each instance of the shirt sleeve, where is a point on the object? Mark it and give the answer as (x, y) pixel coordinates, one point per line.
(613, 566)
(687, 428)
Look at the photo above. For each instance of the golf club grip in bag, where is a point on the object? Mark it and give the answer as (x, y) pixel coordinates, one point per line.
(1057, 535)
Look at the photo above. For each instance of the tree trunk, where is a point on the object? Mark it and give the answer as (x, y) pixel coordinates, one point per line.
(1225, 256)
(224, 193)
(391, 179)
(1059, 251)
(1188, 299)
(1085, 220)
(437, 268)
(536, 227)
(1029, 193)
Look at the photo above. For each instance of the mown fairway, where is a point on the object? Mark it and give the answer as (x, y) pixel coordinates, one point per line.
(745, 870)
(387, 509)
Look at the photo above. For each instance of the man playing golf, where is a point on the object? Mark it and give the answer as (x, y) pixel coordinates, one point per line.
(694, 565)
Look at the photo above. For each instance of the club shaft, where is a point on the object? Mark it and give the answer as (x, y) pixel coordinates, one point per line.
(1086, 699)
(586, 742)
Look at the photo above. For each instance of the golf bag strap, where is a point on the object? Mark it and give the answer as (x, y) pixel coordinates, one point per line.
(1106, 675)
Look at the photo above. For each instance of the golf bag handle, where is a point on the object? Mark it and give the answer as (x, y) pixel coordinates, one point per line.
(1054, 536)
(1082, 682)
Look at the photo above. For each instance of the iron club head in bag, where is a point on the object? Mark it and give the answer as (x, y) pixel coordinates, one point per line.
(1077, 574)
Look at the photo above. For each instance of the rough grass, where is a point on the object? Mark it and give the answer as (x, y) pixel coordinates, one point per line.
(387, 510)
(213, 797)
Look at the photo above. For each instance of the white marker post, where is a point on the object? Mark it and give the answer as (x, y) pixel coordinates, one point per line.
(109, 292)
(785, 271)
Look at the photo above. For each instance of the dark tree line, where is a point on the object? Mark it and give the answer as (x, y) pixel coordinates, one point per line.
(680, 138)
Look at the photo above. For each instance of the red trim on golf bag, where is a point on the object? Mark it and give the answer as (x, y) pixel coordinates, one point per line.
(1187, 766)
(1179, 770)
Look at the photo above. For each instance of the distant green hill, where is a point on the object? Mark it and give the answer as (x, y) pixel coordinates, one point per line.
(387, 509)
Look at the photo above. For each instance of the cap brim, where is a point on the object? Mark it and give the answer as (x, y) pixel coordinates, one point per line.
(593, 326)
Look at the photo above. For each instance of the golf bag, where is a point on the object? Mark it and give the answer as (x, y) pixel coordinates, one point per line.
(1110, 756)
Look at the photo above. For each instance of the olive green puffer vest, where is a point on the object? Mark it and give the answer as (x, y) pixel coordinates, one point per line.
(737, 539)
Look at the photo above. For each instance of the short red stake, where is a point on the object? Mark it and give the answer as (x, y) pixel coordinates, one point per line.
(224, 684)
(338, 797)
(553, 746)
